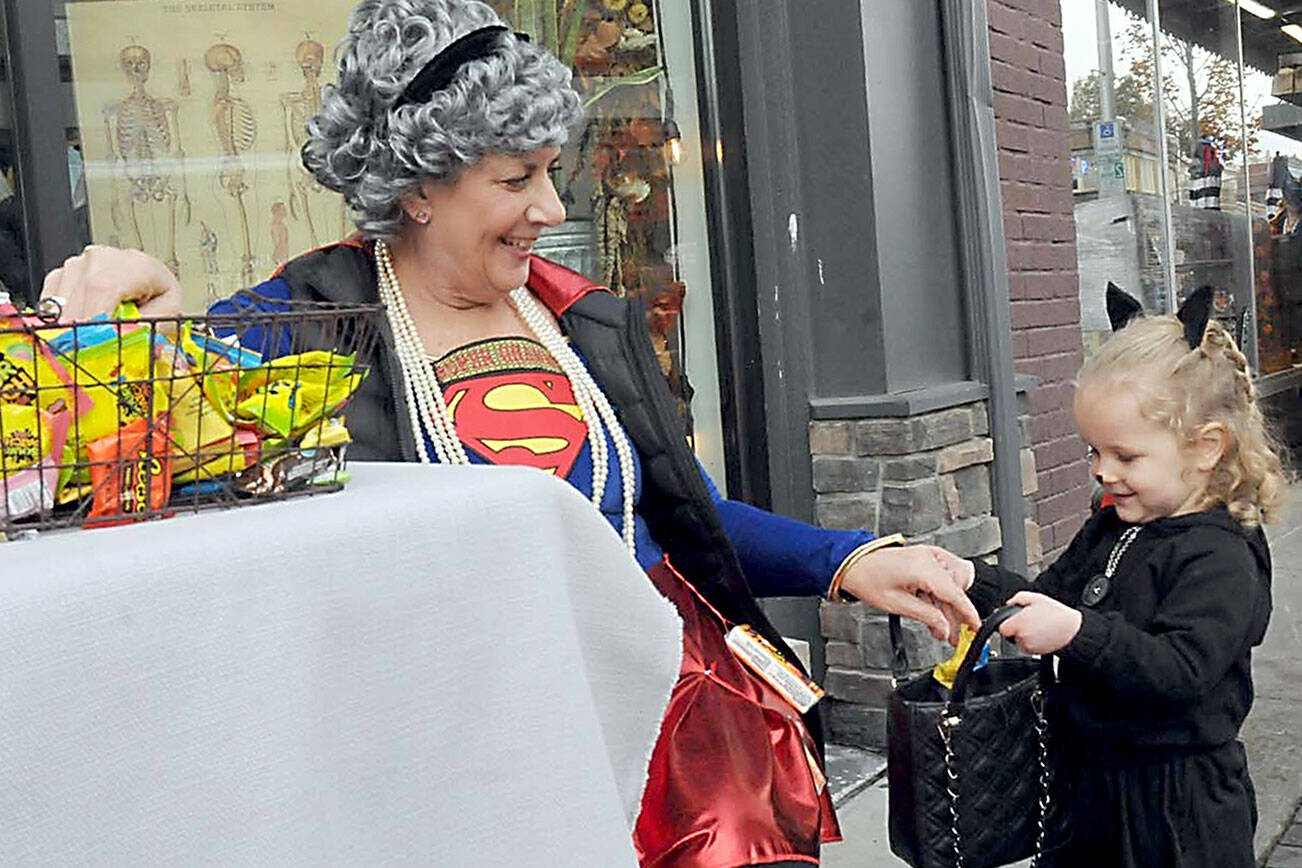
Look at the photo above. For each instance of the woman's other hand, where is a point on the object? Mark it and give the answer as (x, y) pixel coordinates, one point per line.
(910, 581)
(100, 278)
(1043, 626)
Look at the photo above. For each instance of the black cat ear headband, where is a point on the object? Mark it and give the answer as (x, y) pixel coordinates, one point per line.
(1193, 314)
(439, 71)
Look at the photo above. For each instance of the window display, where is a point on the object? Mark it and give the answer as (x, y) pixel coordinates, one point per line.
(624, 185)
(198, 113)
(192, 116)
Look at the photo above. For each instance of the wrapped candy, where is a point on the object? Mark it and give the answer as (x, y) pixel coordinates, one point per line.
(293, 393)
(131, 471)
(30, 373)
(31, 441)
(947, 670)
(115, 367)
(218, 367)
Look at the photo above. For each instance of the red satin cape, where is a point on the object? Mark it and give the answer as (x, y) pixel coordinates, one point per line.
(729, 783)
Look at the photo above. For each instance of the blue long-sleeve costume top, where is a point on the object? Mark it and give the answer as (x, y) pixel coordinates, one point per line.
(779, 556)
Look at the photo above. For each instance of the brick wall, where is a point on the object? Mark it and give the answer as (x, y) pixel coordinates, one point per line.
(1030, 101)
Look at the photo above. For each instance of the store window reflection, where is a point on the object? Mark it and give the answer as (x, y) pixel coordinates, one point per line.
(1201, 182)
(1208, 147)
(1276, 175)
(1119, 178)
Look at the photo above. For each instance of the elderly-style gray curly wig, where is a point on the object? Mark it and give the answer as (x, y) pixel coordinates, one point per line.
(515, 101)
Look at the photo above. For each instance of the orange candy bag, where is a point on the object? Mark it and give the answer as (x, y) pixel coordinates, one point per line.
(131, 472)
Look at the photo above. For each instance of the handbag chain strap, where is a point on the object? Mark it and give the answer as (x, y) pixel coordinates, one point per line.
(1042, 736)
(947, 723)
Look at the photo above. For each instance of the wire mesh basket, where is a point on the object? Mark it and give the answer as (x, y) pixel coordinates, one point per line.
(130, 418)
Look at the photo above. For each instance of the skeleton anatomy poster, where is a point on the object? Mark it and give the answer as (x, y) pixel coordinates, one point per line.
(192, 114)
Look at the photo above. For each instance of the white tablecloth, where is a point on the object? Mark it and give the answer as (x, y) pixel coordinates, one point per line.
(439, 666)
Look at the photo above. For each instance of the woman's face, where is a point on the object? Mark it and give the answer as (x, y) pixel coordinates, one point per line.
(483, 226)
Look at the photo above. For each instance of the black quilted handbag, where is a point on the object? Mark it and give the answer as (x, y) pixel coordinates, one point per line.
(971, 770)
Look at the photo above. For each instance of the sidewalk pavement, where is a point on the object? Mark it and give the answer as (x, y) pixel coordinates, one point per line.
(1272, 733)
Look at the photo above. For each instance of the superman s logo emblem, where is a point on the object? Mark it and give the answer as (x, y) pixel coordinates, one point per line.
(527, 418)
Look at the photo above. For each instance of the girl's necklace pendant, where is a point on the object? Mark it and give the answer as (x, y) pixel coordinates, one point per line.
(1097, 588)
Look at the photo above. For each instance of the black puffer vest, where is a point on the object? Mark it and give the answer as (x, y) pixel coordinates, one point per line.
(612, 335)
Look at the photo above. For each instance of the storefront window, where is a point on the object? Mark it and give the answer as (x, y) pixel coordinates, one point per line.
(1208, 148)
(190, 119)
(13, 237)
(1274, 98)
(1197, 186)
(632, 180)
(191, 116)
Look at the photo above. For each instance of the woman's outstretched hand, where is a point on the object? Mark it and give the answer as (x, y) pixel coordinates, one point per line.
(911, 581)
(100, 278)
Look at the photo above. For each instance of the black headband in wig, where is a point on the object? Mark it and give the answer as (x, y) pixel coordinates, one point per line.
(442, 67)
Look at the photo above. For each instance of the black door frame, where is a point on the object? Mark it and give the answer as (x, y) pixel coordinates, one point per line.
(36, 94)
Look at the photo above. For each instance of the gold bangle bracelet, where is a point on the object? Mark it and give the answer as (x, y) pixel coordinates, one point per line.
(863, 551)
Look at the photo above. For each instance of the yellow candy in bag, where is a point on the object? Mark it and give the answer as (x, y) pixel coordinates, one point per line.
(300, 391)
(118, 372)
(31, 440)
(30, 373)
(25, 437)
(217, 377)
(947, 670)
(327, 435)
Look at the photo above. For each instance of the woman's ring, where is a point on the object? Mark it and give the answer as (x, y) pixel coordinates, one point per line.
(51, 307)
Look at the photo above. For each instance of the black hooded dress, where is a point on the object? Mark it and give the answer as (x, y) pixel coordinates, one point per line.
(1155, 686)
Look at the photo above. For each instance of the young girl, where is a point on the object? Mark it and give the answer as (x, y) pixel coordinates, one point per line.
(1154, 607)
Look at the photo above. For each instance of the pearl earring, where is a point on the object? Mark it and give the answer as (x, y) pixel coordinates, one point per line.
(421, 217)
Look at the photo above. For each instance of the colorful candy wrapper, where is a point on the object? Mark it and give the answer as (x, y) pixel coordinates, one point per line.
(131, 471)
(202, 440)
(947, 670)
(330, 433)
(31, 441)
(30, 373)
(218, 366)
(291, 471)
(240, 451)
(115, 366)
(299, 392)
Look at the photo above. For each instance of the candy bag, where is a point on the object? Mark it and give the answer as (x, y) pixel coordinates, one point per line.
(293, 470)
(31, 441)
(300, 392)
(30, 373)
(25, 435)
(332, 433)
(241, 450)
(115, 366)
(217, 375)
(131, 471)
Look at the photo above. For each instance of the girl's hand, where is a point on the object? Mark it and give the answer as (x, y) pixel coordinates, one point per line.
(1043, 626)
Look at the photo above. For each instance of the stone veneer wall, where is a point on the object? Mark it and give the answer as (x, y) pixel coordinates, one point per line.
(928, 477)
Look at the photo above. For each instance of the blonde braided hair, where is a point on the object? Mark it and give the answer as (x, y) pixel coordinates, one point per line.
(1188, 389)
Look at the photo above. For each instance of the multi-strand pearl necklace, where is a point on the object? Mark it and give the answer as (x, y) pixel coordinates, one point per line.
(429, 412)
